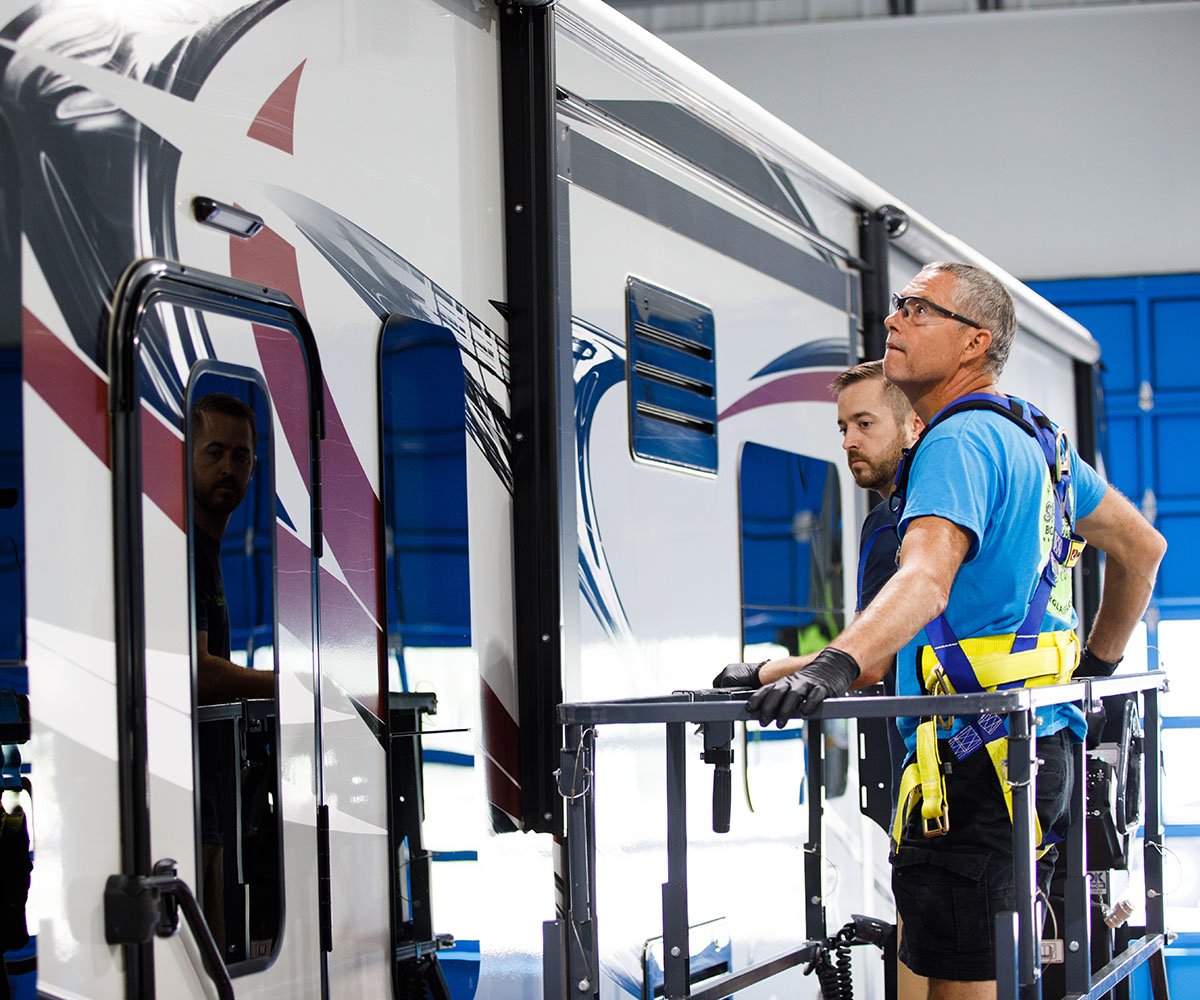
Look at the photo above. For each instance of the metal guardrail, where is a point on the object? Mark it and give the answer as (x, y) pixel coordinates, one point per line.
(571, 951)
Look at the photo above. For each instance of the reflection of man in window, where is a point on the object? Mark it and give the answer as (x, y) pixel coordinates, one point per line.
(224, 437)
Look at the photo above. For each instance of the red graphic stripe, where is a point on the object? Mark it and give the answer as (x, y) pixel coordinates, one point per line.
(293, 585)
(79, 396)
(351, 509)
(802, 387)
(70, 388)
(163, 472)
(276, 121)
(501, 741)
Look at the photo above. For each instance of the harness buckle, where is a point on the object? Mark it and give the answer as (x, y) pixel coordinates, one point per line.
(938, 683)
(938, 826)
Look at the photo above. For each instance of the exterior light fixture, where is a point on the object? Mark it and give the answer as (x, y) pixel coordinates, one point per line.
(235, 221)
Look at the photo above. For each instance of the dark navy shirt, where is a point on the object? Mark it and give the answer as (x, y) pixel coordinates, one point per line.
(881, 556)
(212, 616)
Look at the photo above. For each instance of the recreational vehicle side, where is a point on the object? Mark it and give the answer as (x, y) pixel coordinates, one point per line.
(536, 320)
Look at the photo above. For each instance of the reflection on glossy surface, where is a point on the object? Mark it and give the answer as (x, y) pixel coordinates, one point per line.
(424, 438)
(231, 536)
(791, 549)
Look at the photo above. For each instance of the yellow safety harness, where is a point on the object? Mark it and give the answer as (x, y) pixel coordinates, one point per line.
(1025, 658)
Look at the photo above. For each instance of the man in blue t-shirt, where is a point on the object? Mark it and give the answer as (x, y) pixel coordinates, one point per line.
(972, 551)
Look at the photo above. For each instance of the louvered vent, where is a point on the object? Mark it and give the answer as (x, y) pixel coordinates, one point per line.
(672, 374)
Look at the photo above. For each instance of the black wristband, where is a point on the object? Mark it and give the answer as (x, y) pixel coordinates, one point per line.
(1090, 665)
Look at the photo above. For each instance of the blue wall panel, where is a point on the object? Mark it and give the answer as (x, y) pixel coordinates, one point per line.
(1148, 328)
(1174, 323)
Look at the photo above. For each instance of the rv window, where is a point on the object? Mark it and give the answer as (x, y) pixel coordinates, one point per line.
(671, 371)
(431, 663)
(791, 535)
(231, 534)
(791, 516)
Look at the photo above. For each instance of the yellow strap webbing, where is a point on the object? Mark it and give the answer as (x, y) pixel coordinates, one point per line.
(933, 782)
(910, 781)
(1052, 662)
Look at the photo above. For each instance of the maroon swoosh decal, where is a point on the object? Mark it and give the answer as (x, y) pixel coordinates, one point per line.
(69, 387)
(163, 473)
(276, 119)
(351, 512)
(293, 585)
(805, 387)
(501, 741)
(79, 396)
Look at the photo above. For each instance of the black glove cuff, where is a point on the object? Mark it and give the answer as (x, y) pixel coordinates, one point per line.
(1090, 665)
(842, 662)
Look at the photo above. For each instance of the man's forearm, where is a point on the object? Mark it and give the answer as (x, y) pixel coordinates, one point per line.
(219, 680)
(1123, 601)
(1133, 551)
(901, 609)
(773, 670)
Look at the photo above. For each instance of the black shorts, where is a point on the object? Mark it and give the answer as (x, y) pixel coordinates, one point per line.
(949, 889)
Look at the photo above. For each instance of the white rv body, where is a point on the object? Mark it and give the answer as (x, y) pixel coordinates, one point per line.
(367, 135)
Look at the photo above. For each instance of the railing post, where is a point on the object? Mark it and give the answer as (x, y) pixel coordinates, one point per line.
(1152, 844)
(677, 957)
(1077, 898)
(575, 779)
(814, 905)
(1022, 749)
(1007, 984)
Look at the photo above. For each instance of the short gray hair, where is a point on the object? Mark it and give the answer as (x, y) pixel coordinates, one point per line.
(981, 297)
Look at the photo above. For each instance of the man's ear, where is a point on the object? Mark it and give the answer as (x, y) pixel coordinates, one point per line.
(976, 345)
(913, 425)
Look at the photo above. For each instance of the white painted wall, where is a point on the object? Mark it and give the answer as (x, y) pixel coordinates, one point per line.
(1060, 143)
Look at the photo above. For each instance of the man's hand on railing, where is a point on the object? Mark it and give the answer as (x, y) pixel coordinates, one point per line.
(739, 675)
(828, 676)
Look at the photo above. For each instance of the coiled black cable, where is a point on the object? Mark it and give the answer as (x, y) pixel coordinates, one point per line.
(833, 966)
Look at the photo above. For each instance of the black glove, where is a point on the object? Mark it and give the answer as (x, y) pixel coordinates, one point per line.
(828, 676)
(739, 675)
(1090, 665)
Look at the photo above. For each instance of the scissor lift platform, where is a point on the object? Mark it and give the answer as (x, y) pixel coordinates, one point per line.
(570, 944)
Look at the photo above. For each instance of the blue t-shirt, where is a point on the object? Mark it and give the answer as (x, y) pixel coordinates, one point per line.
(981, 471)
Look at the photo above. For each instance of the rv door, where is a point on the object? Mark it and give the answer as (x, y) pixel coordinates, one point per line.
(216, 427)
